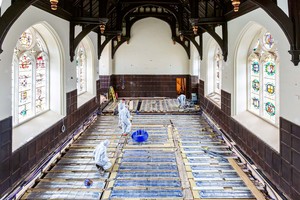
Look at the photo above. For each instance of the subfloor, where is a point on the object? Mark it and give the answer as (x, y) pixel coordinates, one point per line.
(183, 158)
(153, 105)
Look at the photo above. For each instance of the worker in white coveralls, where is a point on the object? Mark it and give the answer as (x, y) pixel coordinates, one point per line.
(100, 156)
(125, 120)
(181, 100)
(121, 105)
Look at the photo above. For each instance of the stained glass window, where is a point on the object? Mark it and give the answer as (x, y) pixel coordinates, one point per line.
(263, 76)
(29, 76)
(218, 71)
(81, 69)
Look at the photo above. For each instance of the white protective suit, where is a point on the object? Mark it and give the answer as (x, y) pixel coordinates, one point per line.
(125, 120)
(121, 105)
(181, 99)
(100, 155)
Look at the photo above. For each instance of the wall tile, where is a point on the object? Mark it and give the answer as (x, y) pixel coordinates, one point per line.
(286, 172)
(296, 160)
(285, 152)
(296, 179)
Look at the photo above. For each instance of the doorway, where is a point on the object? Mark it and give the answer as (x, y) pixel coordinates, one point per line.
(181, 86)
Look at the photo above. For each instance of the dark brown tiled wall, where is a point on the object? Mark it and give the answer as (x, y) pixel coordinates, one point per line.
(194, 82)
(282, 169)
(15, 166)
(290, 157)
(5, 152)
(105, 82)
(148, 85)
(98, 84)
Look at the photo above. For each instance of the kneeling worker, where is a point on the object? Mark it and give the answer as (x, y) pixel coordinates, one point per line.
(100, 156)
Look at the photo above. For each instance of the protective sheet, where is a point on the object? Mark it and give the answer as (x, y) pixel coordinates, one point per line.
(225, 194)
(77, 161)
(220, 183)
(146, 174)
(141, 152)
(149, 167)
(146, 193)
(64, 195)
(74, 168)
(71, 184)
(149, 159)
(147, 183)
(76, 175)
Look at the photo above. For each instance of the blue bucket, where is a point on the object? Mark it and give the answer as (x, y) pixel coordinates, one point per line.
(139, 135)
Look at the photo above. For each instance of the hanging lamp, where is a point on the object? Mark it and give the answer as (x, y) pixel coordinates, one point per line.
(54, 4)
(236, 4)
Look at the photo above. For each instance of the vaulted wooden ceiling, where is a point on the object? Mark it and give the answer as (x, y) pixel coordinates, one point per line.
(187, 19)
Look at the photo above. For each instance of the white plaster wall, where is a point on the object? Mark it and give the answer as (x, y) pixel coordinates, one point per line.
(4, 5)
(195, 60)
(105, 62)
(150, 51)
(283, 4)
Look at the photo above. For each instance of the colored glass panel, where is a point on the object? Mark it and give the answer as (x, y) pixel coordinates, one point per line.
(26, 39)
(255, 67)
(268, 41)
(81, 69)
(255, 85)
(217, 71)
(270, 88)
(29, 79)
(262, 86)
(270, 68)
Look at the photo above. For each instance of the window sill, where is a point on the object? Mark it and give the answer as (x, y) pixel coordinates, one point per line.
(29, 130)
(83, 98)
(215, 98)
(259, 127)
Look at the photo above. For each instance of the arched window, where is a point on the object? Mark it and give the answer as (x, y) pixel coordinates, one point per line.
(218, 70)
(30, 69)
(215, 75)
(263, 78)
(81, 65)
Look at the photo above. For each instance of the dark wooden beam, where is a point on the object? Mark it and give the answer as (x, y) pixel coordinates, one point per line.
(294, 14)
(10, 16)
(157, 2)
(88, 20)
(199, 46)
(75, 41)
(60, 12)
(223, 42)
(211, 20)
(194, 9)
(101, 46)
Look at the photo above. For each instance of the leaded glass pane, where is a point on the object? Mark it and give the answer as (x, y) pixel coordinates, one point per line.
(25, 86)
(81, 69)
(41, 82)
(29, 76)
(262, 78)
(269, 110)
(268, 41)
(26, 39)
(218, 71)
